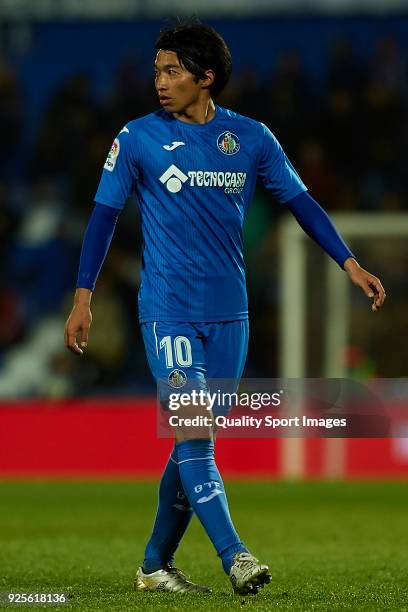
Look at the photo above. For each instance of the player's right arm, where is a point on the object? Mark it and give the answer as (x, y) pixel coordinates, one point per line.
(95, 247)
(79, 322)
(118, 177)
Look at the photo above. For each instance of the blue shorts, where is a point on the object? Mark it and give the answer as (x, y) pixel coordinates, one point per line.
(185, 356)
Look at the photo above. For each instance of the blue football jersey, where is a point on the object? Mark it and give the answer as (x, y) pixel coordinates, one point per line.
(194, 183)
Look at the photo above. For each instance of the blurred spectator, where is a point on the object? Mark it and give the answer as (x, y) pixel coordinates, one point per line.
(10, 114)
(345, 71)
(317, 173)
(9, 223)
(11, 317)
(71, 121)
(132, 94)
(384, 122)
(43, 258)
(389, 66)
(11, 305)
(289, 104)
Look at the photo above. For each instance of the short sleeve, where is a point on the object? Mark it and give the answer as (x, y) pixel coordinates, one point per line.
(120, 171)
(275, 170)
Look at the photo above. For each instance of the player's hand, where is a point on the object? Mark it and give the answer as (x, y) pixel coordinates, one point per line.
(370, 284)
(79, 322)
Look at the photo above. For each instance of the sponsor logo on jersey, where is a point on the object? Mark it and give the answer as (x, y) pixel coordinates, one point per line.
(232, 182)
(228, 143)
(173, 178)
(177, 378)
(112, 155)
(174, 145)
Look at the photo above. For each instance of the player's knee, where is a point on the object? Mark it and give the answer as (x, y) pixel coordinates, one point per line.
(193, 422)
(182, 435)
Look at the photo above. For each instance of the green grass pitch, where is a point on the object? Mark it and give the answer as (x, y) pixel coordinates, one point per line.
(330, 546)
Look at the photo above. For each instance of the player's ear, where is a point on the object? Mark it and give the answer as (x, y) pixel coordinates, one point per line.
(208, 80)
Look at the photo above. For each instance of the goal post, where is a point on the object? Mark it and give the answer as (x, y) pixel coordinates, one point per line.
(335, 320)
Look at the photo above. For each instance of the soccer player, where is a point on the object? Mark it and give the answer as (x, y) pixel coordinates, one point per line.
(193, 166)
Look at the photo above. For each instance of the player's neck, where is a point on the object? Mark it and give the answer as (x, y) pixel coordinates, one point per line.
(201, 112)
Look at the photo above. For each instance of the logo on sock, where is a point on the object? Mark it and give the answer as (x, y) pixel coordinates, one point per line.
(181, 507)
(207, 498)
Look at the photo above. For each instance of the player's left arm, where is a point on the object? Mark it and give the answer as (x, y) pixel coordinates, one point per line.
(317, 224)
(277, 174)
(370, 284)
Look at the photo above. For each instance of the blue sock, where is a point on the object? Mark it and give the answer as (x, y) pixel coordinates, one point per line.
(173, 516)
(205, 490)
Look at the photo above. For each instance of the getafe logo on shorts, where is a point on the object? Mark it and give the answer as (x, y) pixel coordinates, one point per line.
(112, 155)
(228, 143)
(177, 378)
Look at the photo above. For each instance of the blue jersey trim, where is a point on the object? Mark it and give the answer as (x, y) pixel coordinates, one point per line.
(106, 202)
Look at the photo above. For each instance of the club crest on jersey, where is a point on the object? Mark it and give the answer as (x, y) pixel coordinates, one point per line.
(177, 378)
(112, 155)
(228, 143)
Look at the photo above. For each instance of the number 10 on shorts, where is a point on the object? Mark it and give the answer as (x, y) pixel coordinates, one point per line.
(179, 351)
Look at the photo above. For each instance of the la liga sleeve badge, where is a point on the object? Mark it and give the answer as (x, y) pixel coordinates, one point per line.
(112, 155)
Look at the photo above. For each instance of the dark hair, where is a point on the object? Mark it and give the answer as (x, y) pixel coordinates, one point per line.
(199, 48)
